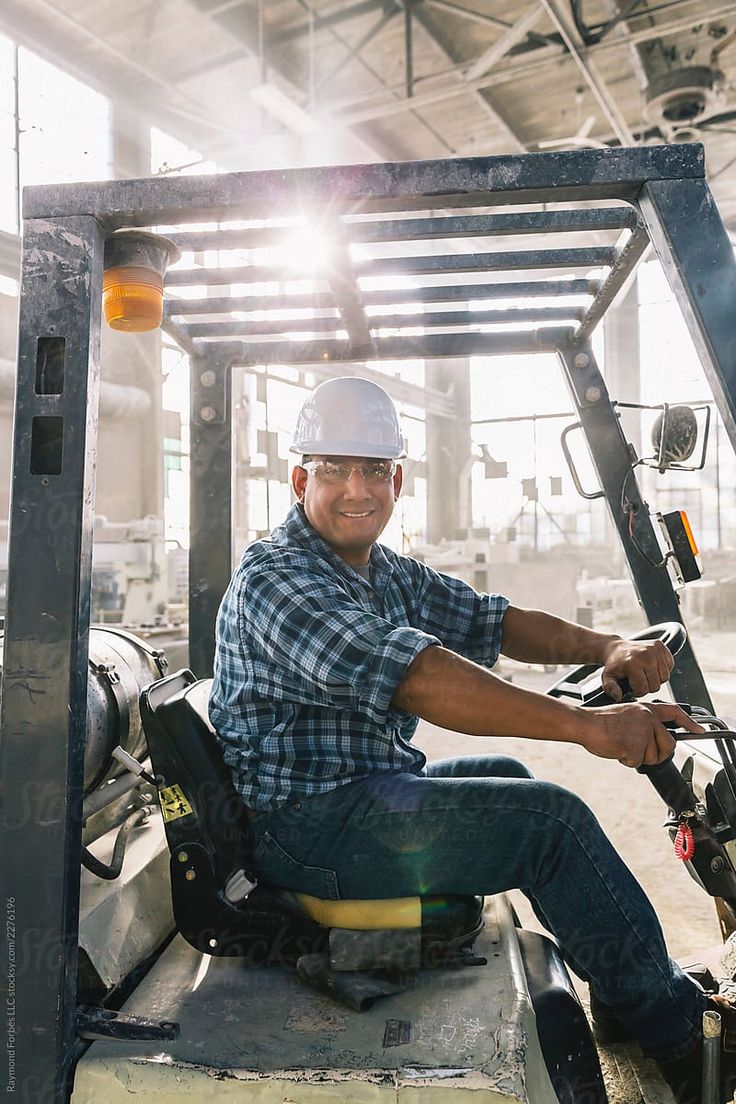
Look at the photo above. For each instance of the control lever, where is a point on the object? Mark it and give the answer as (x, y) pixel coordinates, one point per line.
(665, 777)
(667, 780)
(692, 835)
(670, 785)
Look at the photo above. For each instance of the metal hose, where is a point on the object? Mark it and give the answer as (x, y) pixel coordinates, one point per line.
(111, 872)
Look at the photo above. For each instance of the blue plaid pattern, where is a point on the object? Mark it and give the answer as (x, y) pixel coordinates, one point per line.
(309, 655)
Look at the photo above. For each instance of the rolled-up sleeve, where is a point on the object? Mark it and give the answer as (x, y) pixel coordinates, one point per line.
(349, 657)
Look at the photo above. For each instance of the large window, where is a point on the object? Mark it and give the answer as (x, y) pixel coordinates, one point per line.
(8, 190)
(520, 405)
(63, 127)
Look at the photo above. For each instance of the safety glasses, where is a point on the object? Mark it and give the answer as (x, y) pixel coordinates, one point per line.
(373, 472)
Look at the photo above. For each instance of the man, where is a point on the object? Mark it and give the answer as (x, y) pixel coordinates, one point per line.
(329, 649)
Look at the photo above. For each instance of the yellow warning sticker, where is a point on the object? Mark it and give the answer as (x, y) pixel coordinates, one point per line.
(173, 803)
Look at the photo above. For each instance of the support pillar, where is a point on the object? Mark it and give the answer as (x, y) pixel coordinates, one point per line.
(448, 451)
(623, 376)
(623, 363)
(133, 358)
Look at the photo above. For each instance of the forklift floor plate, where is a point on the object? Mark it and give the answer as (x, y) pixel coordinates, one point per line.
(259, 1034)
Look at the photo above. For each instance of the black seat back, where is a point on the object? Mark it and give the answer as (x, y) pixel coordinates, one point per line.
(198, 800)
(215, 907)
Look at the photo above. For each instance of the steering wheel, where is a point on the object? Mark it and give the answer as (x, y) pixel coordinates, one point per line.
(693, 836)
(583, 684)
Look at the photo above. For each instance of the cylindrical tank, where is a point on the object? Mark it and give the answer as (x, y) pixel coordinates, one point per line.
(120, 666)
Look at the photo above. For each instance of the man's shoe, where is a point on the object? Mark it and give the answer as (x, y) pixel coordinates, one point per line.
(685, 1075)
(605, 1024)
(607, 1027)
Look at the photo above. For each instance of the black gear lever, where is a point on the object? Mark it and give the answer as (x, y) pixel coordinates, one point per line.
(670, 785)
(676, 793)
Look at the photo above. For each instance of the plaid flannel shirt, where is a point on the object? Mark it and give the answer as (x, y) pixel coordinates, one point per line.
(309, 655)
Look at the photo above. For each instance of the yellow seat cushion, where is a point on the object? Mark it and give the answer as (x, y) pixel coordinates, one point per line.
(394, 912)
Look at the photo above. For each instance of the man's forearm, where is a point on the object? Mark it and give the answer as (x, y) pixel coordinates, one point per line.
(536, 637)
(448, 690)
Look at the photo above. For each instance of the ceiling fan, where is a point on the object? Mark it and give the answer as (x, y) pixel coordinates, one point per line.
(580, 140)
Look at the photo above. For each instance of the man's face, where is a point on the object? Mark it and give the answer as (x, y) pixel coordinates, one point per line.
(350, 515)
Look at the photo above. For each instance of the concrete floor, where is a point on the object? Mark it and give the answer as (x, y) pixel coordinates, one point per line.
(624, 802)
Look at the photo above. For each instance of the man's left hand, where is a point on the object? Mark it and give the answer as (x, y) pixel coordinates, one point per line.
(646, 664)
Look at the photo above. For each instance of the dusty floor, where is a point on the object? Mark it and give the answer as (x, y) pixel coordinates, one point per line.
(625, 803)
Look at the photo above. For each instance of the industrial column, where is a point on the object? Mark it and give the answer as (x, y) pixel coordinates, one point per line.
(132, 359)
(448, 451)
(622, 361)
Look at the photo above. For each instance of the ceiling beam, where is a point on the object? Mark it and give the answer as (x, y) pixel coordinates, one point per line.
(501, 47)
(340, 14)
(207, 64)
(180, 102)
(534, 61)
(590, 72)
(389, 5)
(661, 30)
(359, 46)
(515, 142)
(243, 25)
(482, 18)
(466, 13)
(365, 111)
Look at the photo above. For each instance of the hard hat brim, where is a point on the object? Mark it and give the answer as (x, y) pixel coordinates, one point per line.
(369, 449)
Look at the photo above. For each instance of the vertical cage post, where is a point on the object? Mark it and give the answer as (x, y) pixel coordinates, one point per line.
(613, 463)
(44, 694)
(210, 497)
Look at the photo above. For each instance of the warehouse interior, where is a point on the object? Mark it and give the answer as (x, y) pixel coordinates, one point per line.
(498, 489)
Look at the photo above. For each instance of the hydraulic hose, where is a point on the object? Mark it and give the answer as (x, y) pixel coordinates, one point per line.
(112, 871)
(104, 796)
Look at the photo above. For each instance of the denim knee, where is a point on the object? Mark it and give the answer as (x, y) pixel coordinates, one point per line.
(508, 767)
(564, 805)
(478, 766)
(565, 820)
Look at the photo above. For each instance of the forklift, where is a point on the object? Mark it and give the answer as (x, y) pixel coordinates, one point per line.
(166, 972)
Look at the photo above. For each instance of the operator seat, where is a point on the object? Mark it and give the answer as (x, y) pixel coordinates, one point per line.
(356, 950)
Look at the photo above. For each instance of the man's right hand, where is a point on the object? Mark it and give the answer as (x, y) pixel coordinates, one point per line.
(635, 733)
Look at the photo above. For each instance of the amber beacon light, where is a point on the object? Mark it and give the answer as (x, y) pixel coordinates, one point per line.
(133, 279)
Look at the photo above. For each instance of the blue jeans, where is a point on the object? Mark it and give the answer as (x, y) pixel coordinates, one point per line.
(482, 825)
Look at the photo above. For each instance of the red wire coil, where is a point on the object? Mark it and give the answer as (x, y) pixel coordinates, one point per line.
(684, 843)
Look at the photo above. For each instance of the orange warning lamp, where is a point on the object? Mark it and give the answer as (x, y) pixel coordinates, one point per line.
(682, 543)
(133, 279)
